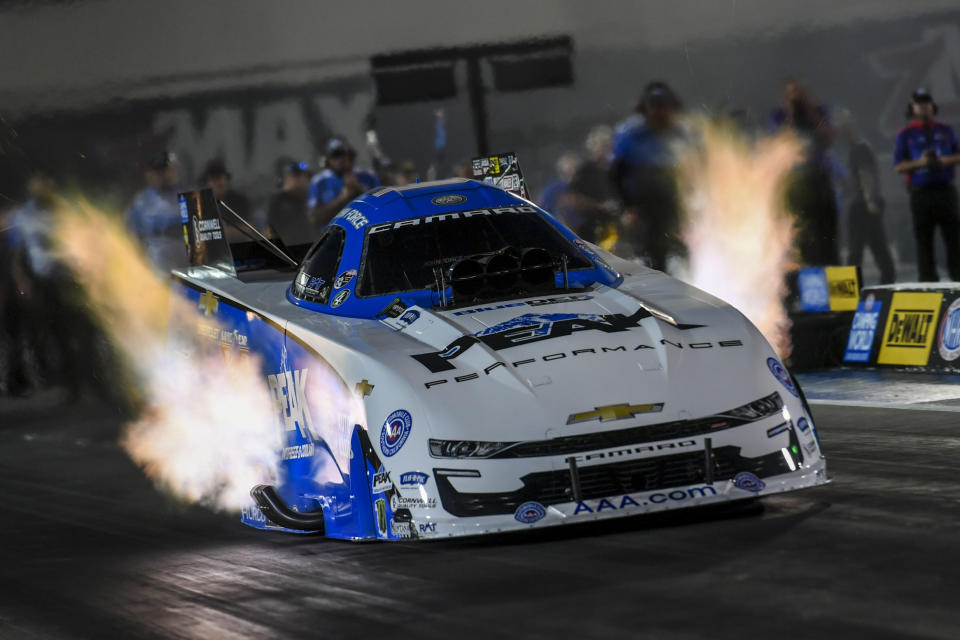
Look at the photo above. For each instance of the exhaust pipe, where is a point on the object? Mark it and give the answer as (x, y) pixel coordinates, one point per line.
(276, 511)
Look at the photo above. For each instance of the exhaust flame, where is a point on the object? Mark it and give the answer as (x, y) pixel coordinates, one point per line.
(208, 431)
(738, 233)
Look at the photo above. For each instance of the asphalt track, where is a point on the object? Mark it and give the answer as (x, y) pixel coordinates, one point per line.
(88, 549)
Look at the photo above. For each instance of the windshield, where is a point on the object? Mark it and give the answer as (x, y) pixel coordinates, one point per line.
(402, 256)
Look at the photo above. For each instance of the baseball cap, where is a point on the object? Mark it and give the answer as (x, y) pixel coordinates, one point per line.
(921, 95)
(214, 169)
(338, 146)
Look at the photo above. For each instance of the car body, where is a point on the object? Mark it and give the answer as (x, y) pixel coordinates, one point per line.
(437, 378)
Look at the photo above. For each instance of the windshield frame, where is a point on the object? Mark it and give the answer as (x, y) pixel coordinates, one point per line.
(520, 208)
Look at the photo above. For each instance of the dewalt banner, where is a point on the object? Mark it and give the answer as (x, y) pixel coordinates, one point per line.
(843, 288)
(910, 328)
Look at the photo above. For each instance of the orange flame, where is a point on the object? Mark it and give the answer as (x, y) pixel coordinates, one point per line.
(738, 232)
(208, 432)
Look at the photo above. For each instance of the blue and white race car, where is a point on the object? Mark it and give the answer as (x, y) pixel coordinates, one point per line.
(448, 359)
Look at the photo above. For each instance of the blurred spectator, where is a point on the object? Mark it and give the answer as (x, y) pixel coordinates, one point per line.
(644, 173)
(216, 178)
(552, 196)
(287, 211)
(50, 302)
(406, 173)
(154, 217)
(926, 151)
(591, 195)
(338, 184)
(865, 223)
(810, 194)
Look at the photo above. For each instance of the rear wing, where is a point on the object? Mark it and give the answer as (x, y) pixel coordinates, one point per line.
(203, 231)
(203, 221)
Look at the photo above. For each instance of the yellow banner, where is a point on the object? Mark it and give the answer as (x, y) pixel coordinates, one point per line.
(843, 288)
(911, 323)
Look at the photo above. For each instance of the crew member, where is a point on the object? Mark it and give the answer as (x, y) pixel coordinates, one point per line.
(865, 223)
(337, 184)
(154, 217)
(926, 152)
(216, 178)
(810, 193)
(287, 211)
(644, 171)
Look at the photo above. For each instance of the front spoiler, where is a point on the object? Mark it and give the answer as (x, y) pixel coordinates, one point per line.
(619, 506)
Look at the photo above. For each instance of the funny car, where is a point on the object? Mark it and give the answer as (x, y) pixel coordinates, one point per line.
(448, 359)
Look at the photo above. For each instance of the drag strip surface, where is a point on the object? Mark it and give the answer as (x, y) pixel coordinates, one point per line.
(89, 549)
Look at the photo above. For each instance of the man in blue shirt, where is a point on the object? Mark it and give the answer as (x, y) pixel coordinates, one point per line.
(334, 187)
(926, 151)
(644, 172)
(154, 217)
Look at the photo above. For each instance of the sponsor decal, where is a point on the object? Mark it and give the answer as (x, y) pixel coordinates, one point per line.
(810, 447)
(748, 482)
(413, 479)
(395, 431)
(394, 309)
(777, 430)
(381, 507)
(812, 284)
(803, 425)
(313, 284)
(207, 229)
(381, 481)
(400, 529)
(525, 303)
(364, 388)
(948, 341)
(209, 303)
(440, 217)
(399, 502)
(631, 451)
(354, 217)
(340, 298)
(564, 355)
(643, 500)
(253, 514)
(863, 329)
(297, 451)
(410, 317)
(288, 390)
(843, 288)
(344, 279)
(781, 374)
(448, 199)
(908, 334)
(613, 412)
(427, 527)
(530, 512)
(527, 329)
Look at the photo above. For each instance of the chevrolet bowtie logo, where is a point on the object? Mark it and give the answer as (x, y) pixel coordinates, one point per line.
(209, 303)
(614, 412)
(363, 388)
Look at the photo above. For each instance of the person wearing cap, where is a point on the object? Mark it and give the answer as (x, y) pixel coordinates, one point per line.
(643, 168)
(865, 220)
(216, 178)
(926, 152)
(287, 211)
(810, 194)
(154, 217)
(338, 184)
